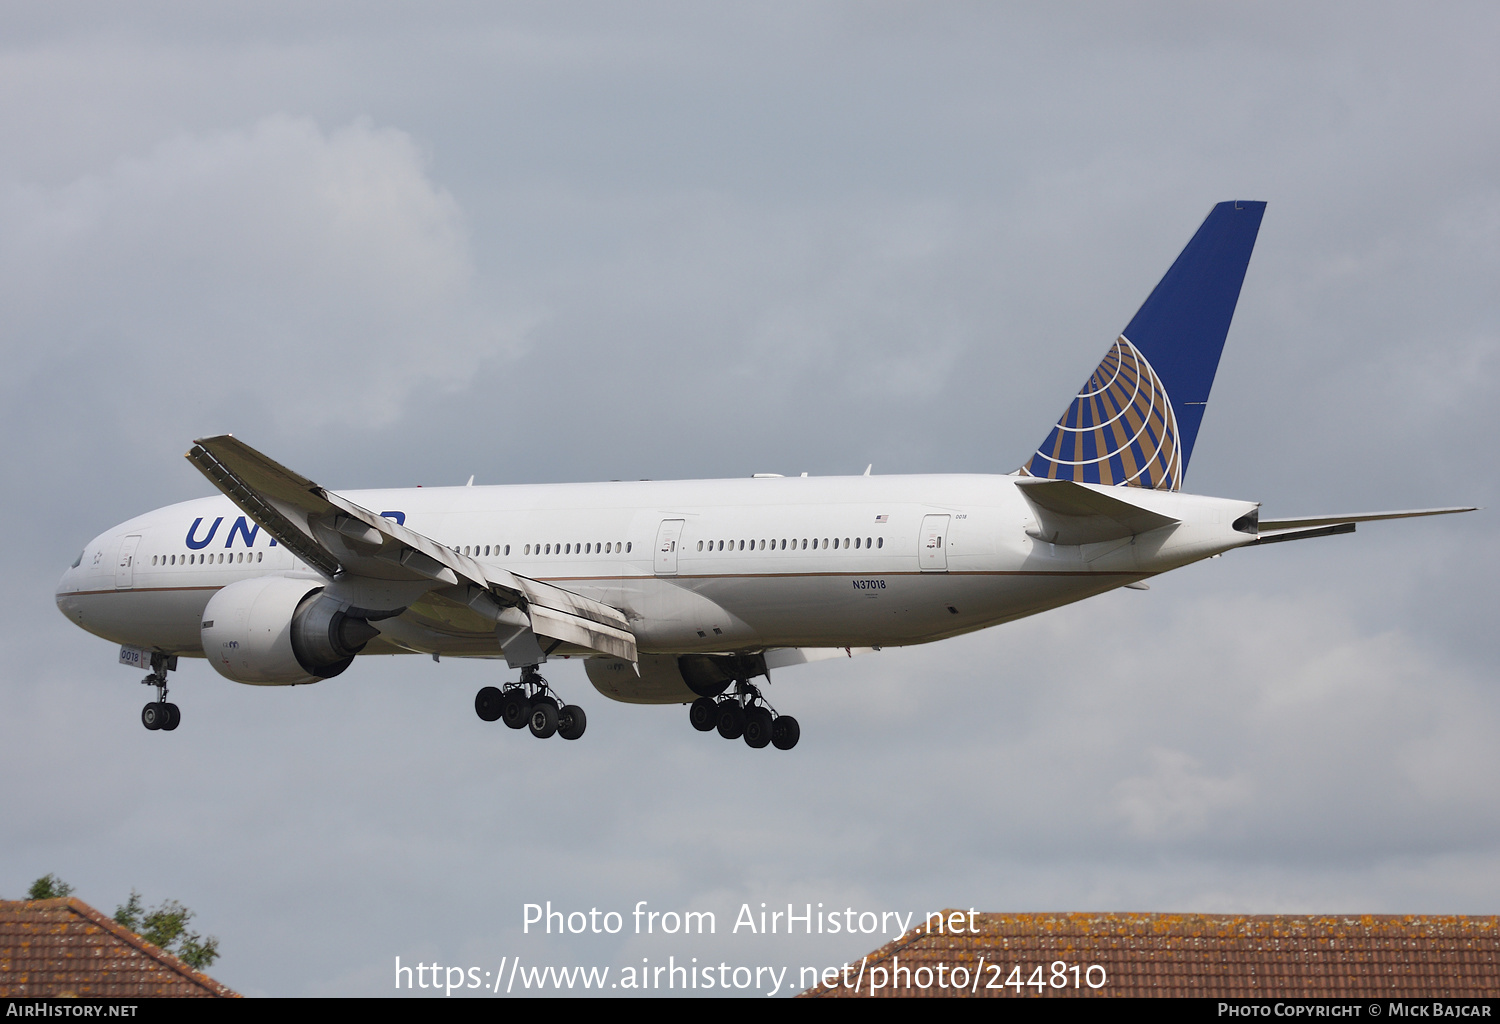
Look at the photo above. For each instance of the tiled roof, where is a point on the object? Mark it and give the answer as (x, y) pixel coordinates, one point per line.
(1210, 955)
(52, 948)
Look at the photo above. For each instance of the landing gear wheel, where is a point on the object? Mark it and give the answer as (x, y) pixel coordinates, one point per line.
(704, 714)
(543, 720)
(515, 707)
(159, 714)
(487, 703)
(785, 732)
(757, 728)
(544, 698)
(571, 721)
(731, 720)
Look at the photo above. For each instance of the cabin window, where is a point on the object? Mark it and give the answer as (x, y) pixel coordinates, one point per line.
(627, 547)
(880, 542)
(700, 545)
(507, 549)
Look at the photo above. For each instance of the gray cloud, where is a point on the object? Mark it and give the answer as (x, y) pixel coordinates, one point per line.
(384, 246)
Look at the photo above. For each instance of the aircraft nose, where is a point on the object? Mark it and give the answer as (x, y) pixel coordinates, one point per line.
(69, 585)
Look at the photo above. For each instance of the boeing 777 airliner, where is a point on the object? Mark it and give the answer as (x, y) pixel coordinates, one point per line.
(685, 592)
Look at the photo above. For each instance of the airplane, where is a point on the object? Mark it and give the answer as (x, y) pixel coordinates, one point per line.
(686, 592)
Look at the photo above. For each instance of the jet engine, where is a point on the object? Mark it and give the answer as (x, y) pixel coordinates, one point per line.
(277, 631)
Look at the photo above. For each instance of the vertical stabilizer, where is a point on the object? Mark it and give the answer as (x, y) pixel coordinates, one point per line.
(1136, 418)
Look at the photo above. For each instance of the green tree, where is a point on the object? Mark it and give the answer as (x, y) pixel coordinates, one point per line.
(48, 887)
(165, 926)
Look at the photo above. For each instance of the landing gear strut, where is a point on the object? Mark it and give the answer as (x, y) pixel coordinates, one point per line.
(746, 714)
(531, 704)
(159, 714)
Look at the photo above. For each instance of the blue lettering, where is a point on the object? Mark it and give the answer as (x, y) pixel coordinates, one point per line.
(199, 545)
(399, 517)
(248, 531)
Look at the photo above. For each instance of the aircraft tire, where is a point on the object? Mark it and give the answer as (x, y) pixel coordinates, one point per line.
(757, 728)
(174, 717)
(571, 721)
(487, 704)
(515, 709)
(543, 720)
(152, 716)
(731, 720)
(785, 732)
(704, 714)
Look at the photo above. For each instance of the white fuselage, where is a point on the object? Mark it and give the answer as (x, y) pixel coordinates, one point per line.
(696, 566)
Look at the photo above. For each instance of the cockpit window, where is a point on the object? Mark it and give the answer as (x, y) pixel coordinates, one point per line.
(77, 560)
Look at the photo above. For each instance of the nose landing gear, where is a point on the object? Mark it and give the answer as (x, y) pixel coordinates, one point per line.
(745, 714)
(531, 704)
(160, 715)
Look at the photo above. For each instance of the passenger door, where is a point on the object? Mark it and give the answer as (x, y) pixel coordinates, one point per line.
(667, 536)
(932, 546)
(125, 568)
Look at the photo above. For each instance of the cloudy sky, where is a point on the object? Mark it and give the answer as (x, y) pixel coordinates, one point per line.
(545, 242)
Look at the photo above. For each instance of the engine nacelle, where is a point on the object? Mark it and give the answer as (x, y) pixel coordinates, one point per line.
(277, 631)
(670, 678)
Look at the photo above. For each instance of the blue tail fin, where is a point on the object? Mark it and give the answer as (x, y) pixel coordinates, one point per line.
(1136, 418)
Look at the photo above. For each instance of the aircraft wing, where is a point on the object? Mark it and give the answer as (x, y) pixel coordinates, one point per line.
(1070, 513)
(340, 539)
(1274, 531)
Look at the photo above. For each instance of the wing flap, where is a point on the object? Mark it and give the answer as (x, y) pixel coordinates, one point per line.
(340, 538)
(1072, 513)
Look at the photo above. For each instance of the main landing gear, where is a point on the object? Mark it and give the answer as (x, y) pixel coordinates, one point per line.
(745, 713)
(159, 714)
(531, 704)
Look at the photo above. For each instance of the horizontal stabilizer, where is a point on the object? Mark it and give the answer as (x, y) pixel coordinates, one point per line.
(1072, 513)
(1307, 534)
(1302, 522)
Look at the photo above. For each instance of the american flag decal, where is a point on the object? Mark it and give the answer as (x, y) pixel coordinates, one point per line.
(881, 519)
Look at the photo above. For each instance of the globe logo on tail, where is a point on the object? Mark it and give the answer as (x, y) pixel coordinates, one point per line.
(1120, 429)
